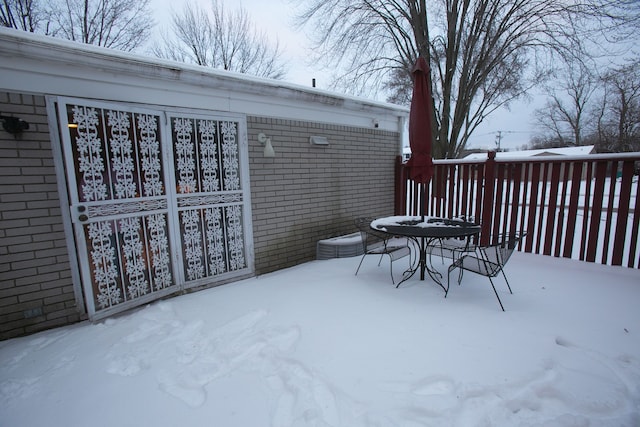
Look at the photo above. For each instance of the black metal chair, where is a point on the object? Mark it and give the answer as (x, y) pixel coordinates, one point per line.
(453, 247)
(488, 261)
(379, 243)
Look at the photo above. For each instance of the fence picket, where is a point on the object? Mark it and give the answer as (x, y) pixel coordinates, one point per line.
(586, 208)
(552, 206)
(633, 247)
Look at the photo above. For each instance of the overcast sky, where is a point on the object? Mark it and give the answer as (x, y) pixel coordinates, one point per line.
(275, 17)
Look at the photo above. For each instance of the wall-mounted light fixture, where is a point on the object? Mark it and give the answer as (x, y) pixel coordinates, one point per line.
(318, 140)
(266, 141)
(13, 125)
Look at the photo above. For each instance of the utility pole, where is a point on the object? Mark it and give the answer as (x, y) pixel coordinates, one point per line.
(498, 139)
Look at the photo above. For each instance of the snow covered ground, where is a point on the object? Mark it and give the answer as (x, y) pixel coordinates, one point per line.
(315, 345)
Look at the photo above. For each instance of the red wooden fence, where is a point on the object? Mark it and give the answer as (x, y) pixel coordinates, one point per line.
(585, 208)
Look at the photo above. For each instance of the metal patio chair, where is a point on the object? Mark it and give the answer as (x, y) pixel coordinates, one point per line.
(379, 243)
(452, 248)
(488, 261)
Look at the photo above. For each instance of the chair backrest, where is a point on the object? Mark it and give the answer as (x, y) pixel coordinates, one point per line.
(370, 237)
(500, 251)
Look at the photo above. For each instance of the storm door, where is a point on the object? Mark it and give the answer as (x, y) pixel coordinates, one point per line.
(210, 197)
(158, 200)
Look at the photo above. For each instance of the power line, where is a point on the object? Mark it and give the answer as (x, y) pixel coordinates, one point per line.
(493, 132)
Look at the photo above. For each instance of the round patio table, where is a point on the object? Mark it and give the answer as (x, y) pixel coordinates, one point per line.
(425, 232)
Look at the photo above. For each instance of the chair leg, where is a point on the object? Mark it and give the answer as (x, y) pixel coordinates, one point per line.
(361, 259)
(505, 279)
(390, 267)
(496, 292)
(393, 282)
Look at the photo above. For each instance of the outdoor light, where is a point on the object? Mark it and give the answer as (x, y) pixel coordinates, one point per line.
(13, 125)
(268, 148)
(318, 140)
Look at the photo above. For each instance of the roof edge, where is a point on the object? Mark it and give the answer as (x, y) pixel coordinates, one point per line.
(19, 43)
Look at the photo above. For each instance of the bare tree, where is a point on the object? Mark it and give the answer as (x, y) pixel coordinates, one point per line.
(566, 110)
(20, 14)
(619, 121)
(117, 24)
(220, 39)
(480, 51)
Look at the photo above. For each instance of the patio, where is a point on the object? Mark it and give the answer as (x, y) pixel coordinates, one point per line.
(314, 345)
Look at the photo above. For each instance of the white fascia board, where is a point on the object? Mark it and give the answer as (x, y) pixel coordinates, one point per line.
(39, 64)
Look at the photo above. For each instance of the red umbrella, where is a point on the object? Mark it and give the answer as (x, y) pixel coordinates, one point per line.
(420, 136)
(420, 139)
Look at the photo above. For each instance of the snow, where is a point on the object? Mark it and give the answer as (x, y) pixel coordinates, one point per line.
(315, 345)
(413, 221)
(347, 239)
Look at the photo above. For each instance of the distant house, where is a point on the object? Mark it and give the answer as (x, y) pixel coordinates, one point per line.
(564, 151)
(531, 154)
(139, 178)
(477, 154)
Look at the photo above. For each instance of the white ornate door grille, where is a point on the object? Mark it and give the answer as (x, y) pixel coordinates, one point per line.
(210, 197)
(156, 205)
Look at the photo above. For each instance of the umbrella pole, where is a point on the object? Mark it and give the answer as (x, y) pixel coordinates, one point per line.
(423, 253)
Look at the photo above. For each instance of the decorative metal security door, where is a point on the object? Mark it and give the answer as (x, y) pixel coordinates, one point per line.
(210, 197)
(149, 221)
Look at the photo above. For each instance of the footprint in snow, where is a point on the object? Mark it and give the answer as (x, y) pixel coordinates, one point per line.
(434, 386)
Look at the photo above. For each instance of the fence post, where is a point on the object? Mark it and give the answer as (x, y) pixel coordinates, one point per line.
(488, 195)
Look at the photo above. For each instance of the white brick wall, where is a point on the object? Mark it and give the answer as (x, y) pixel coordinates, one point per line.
(308, 193)
(36, 291)
(305, 194)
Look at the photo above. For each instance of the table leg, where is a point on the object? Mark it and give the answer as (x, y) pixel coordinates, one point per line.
(433, 273)
(423, 258)
(421, 246)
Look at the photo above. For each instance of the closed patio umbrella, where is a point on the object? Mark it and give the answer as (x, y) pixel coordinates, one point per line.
(420, 138)
(420, 135)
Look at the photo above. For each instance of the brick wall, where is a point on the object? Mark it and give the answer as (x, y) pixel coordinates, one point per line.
(307, 193)
(304, 194)
(36, 290)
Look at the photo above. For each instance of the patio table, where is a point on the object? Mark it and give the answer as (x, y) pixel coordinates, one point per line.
(424, 232)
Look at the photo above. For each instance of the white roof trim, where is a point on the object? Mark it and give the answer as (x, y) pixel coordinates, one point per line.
(39, 64)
